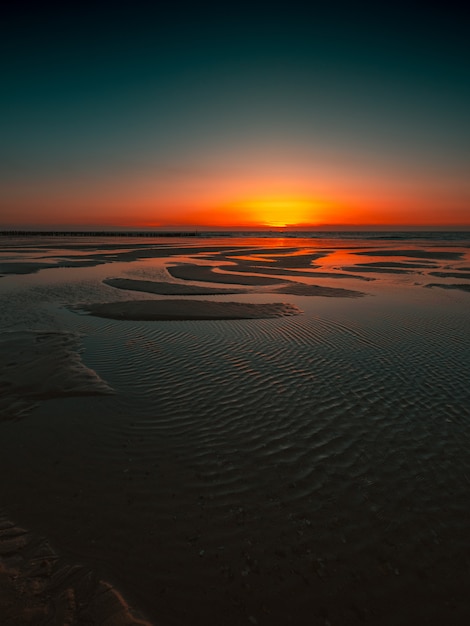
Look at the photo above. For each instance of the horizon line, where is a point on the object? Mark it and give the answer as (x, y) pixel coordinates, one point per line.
(196, 230)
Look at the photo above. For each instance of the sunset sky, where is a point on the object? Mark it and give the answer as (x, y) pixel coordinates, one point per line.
(234, 116)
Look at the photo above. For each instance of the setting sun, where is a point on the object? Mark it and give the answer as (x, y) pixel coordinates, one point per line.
(280, 212)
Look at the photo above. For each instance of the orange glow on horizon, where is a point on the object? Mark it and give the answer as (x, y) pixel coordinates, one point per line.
(278, 211)
(284, 212)
(269, 203)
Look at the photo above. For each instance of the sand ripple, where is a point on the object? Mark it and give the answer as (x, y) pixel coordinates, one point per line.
(188, 310)
(307, 469)
(39, 365)
(307, 451)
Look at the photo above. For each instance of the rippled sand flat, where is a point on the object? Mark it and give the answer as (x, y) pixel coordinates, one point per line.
(300, 469)
(166, 288)
(35, 366)
(166, 310)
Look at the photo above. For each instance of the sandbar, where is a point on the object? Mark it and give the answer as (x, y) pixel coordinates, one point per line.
(377, 270)
(413, 254)
(31, 267)
(205, 273)
(459, 274)
(300, 289)
(398, 264)
(246, 268)
(23, 268)
(460, 287)
(292, 273)
(284, 260)
(166, 310)
(167, 289)
(36, 366)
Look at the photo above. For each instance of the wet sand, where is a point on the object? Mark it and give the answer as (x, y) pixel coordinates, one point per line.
(206, 273)
(459, 286)
(317, 290)
(37, 587)
(415, 254)
(35, 366)
(166, 288)
(460, 274)
(165, 310)
(22, 268)
(309, 466)
(163, 288)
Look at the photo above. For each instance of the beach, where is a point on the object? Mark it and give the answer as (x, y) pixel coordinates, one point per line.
(235, 430)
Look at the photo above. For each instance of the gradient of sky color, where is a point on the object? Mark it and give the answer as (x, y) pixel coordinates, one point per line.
(234, 115)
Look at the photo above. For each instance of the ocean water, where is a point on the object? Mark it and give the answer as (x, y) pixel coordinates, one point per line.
(311, 469)
(441, 236)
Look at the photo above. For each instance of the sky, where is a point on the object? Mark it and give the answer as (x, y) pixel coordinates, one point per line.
(234, 116)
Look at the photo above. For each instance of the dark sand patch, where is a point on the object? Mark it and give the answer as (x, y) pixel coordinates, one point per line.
(465, 275)
(32, 267)
(267, 251)
(266, 269)
(24, 268)
(414, 254)
(299, 260)
(339, 275)
(161, 252)
(74, 262)
(300, 289)
(36, 366)
(376, 270)
(166, 310)
(100, 255)
(285, 260)
(167, 289)
(205, 273)
(397, 264)
(293, 273)
(460, 287)
(37, 587)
